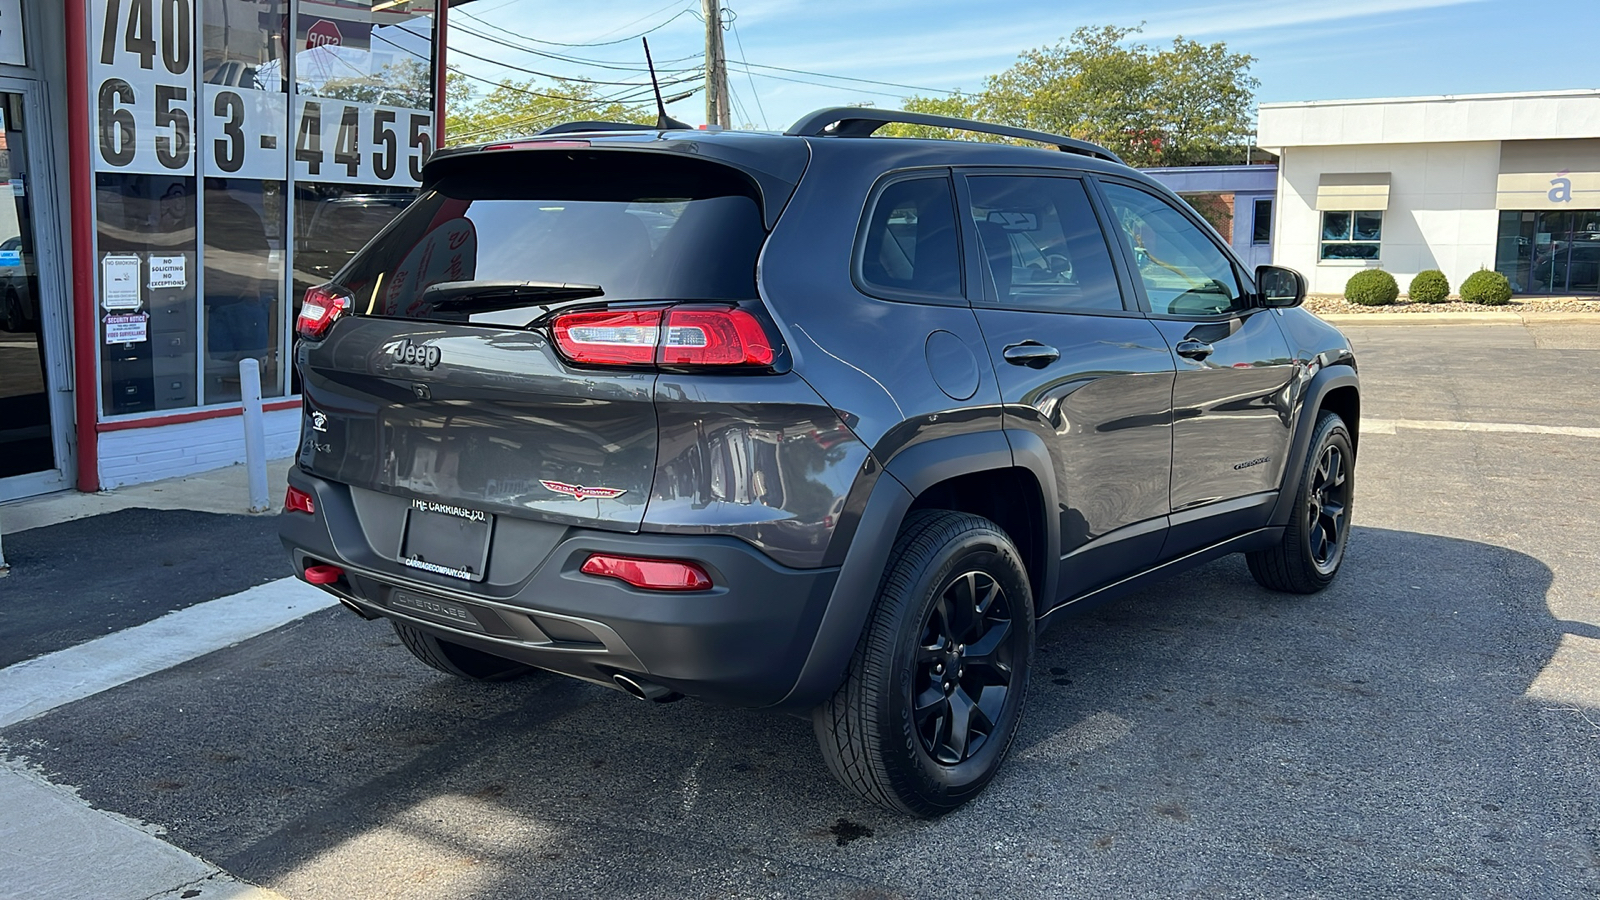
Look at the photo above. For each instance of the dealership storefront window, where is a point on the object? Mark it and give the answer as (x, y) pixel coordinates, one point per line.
(1550, 251)
(243, 150)
(1351, 234)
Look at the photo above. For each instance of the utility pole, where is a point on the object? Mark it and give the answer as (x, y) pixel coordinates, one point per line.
(717, 105)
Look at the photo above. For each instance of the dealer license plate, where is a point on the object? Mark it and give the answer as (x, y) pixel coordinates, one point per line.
(447, 540)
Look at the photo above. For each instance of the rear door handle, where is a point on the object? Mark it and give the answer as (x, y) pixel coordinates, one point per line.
(1032, 354)
(1195, 350)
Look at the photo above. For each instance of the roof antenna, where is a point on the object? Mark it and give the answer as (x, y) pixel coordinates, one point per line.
(663, 121)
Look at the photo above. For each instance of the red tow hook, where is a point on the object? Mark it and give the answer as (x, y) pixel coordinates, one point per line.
(323, 574)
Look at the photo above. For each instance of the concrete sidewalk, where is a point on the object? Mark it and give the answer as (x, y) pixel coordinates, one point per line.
(219, 491)
(52, 843)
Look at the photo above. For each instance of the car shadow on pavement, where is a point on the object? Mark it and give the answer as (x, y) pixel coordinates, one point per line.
(1201, 737)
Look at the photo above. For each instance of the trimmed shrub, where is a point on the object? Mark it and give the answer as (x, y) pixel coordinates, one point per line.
(1371, 287)
(1429, 287)
(1486, 287)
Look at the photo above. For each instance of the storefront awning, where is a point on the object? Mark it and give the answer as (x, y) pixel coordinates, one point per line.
(1357, 190)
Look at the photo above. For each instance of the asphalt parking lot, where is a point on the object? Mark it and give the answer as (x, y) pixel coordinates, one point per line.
(1428, 727)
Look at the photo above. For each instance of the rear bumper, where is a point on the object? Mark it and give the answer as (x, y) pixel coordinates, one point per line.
(742, 643)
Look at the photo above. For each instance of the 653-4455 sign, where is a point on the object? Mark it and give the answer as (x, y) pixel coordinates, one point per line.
(147, 120)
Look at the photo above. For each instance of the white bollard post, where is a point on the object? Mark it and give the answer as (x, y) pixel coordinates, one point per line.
(4, 569)
(255, 434)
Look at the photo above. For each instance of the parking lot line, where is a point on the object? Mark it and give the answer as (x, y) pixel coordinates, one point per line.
(1389, 426)
(39, 685)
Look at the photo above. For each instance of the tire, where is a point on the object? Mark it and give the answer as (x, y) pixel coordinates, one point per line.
(1314, 544)
(946, 568)
(454, 659)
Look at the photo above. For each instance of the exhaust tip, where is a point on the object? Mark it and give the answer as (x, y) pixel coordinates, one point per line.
(641, 690)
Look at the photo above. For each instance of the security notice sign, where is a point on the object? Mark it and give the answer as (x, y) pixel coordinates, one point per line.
(132, 329)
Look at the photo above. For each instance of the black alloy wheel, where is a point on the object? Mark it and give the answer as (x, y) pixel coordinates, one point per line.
(934, 692)
(1318, 535)
(1327, 506)
(964, 668)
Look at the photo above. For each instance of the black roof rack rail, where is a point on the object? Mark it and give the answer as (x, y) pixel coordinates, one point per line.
(854, 121)
(570, 127)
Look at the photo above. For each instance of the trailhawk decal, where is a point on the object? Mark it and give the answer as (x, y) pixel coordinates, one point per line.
(579, 492)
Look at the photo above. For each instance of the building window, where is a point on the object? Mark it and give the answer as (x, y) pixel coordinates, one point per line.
(1261, 230)
(1351, 234)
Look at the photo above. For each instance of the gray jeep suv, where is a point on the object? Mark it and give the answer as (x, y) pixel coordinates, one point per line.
(816, 422)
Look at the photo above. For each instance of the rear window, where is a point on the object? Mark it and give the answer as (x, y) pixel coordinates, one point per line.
(641, 226)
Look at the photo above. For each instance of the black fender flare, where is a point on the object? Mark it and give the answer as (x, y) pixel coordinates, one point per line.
(1327, 379)
(911, 471)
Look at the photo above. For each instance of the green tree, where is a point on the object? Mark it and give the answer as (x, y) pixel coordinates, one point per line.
(1188, 104)
(516, 108)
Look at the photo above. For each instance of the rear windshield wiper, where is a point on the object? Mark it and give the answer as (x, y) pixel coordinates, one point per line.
(485, 296)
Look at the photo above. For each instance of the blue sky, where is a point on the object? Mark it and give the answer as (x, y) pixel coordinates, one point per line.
(1304, 50)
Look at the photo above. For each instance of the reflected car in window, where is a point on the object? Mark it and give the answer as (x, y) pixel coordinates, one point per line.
(19, 311)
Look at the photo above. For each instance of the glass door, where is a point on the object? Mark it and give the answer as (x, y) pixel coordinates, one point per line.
(1566, 253)
(32, 414)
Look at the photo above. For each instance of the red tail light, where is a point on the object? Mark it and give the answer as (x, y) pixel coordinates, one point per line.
(650, 574)
(715, 336)
(299, 501)
(323, 304)
(690, 336)
(609, 337)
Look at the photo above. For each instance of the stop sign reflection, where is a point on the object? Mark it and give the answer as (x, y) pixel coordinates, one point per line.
(324, 33)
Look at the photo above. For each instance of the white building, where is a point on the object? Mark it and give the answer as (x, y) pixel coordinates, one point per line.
(1245, 195)
(1457, 183)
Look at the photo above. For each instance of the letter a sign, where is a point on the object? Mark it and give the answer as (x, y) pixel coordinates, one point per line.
(1560, 190)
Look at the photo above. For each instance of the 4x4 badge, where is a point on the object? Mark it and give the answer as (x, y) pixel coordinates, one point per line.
(579, 492)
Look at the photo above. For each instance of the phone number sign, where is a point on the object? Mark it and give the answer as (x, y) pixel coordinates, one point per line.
(150, 119)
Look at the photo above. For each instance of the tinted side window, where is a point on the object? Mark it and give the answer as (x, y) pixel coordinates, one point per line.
(1184, 273)
(1044, 247)
(911, 239)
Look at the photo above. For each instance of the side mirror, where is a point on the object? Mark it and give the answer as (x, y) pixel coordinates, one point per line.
(1279, 288)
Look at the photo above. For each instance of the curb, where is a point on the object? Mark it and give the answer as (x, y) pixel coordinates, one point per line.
(1461, 318)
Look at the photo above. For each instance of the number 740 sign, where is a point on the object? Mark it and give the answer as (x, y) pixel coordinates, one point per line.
(147, 119)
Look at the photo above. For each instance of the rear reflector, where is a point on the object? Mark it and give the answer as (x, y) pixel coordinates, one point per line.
(650, 574)
(688, 336)
(299, 501)
(323, 574)
(323, 304)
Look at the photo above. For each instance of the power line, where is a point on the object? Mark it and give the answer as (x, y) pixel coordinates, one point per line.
(753, 92)
(823, 84)
(577, 78)
(561, 57)
(681, 13)
(849, 78)
(504, 85)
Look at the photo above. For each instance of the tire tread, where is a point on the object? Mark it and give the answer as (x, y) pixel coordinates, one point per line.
(847, 730)
(1285, 567)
